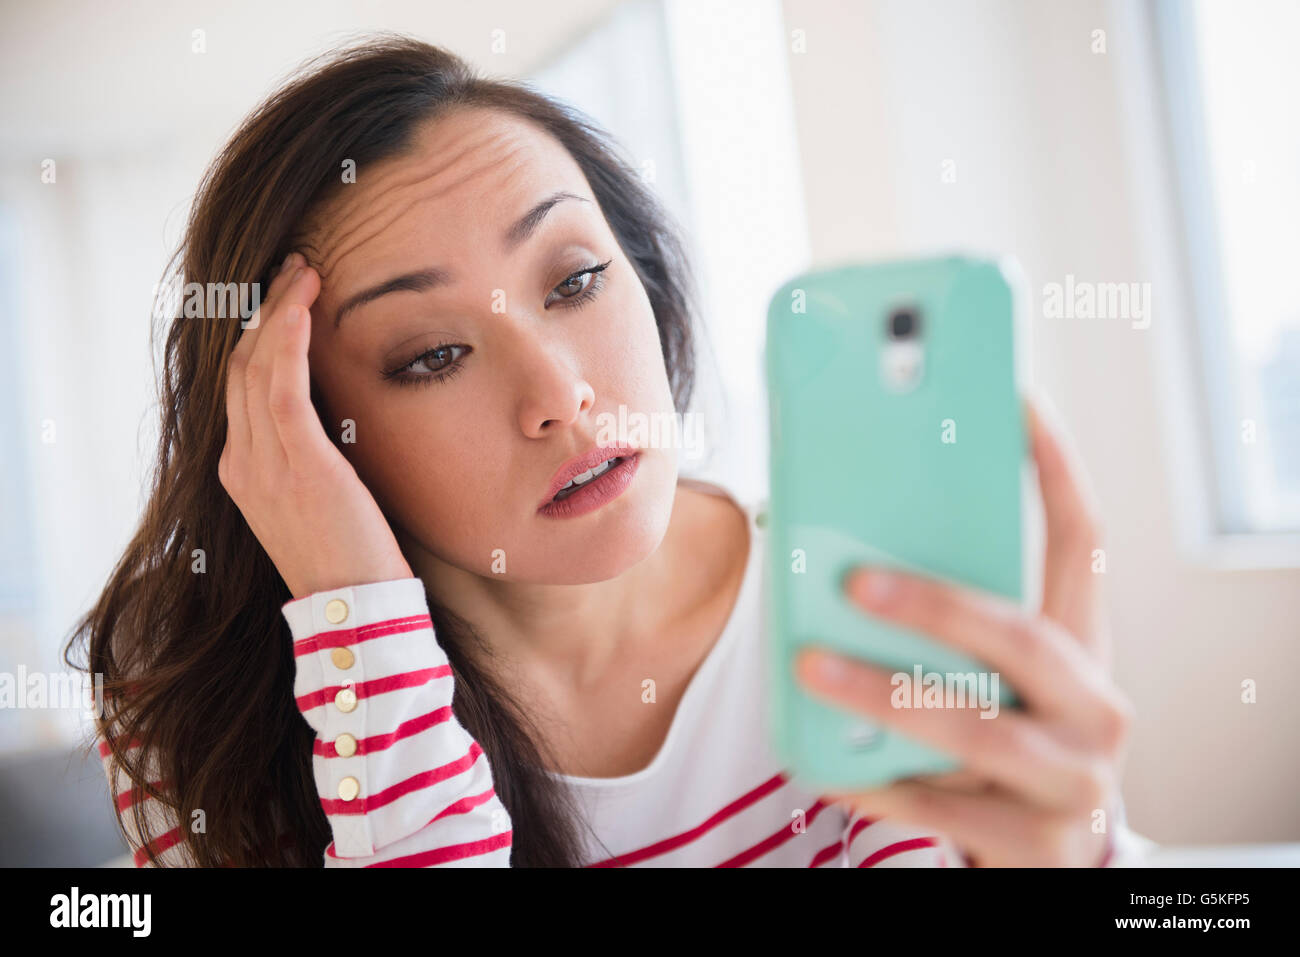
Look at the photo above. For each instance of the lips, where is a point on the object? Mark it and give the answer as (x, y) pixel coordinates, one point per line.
(583, 463)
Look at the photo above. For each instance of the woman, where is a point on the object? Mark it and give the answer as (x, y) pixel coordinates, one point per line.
(510, 645)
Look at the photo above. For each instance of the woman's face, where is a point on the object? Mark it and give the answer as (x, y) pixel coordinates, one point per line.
(460, 446)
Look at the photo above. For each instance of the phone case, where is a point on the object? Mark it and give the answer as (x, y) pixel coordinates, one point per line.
(928, 479)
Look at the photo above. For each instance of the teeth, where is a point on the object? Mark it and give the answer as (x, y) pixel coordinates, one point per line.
(590, 474)
(585, 477)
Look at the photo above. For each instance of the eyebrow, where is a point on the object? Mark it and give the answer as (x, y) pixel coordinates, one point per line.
(432, 277)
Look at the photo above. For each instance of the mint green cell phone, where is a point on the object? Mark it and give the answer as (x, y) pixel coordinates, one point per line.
(897, 439)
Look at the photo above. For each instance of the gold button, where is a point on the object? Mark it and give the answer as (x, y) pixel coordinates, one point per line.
(343, 658)
(345, 745)
(349, 788)
(336, 610)
(346, 700)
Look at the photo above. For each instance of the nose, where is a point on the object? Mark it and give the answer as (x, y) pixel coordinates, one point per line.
(552, 393)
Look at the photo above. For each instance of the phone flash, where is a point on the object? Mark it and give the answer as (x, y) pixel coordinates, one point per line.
(901, 364)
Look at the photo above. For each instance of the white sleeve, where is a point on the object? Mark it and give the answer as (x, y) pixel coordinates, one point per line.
(414, 789)
(401, 781)
(165, 835)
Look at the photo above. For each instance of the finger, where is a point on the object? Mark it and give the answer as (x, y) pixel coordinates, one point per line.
(965, 781)
(238, 427)
(962, 781)
(1073, 528)
(301, 290)
(252, 330)
(238, 436)
(289, 399)
(1047, 668)
(994, 829)
(1018, 752)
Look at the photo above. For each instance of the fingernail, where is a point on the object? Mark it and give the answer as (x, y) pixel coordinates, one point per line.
(296, 273)
(875, 587)
(285, 265)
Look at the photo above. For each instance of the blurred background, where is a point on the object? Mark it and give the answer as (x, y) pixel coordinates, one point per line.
(1098, 142)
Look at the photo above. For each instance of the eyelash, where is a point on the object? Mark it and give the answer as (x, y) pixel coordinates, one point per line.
(400, 376)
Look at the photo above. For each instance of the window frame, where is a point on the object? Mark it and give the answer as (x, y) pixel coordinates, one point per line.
(1207, 483)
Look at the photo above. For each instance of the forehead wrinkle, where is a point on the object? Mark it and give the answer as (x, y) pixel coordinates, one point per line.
(410, 169)
(401, 210)
(402, 206)
(400, 174)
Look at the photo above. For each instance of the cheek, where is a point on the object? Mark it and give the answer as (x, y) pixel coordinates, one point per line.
(409, 443)
(425, 464)
(635, 359)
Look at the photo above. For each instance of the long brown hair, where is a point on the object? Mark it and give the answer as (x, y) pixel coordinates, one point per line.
(198, 668)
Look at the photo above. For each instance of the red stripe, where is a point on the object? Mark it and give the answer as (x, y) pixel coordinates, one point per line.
(828, 853)
(352, 636)
(453, 852)
(776, 840)
(378, 742)
(414, 783)
(128, 798)
(672, 843)
(860, 825)
(463, 806)
(170, 839)
(365, 689)
(105, 751)
(898, 848)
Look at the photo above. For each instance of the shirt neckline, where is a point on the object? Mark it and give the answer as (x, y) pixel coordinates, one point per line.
(706, 668)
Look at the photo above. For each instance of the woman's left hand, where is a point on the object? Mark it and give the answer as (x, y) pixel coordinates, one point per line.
(1032, 778)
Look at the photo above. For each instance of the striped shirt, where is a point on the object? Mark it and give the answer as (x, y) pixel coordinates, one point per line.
(403, 784)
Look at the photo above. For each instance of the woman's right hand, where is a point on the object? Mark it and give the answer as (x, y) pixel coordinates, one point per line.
(302, 499)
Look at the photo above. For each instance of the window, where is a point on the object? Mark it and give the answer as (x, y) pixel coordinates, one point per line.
(1230, 79)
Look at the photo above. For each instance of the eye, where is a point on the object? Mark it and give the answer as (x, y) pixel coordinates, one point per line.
(575, 284)
(582, 286)
(435, 360)
(432, 365)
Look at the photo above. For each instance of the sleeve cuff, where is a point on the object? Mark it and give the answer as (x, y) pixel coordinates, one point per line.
(344, 608)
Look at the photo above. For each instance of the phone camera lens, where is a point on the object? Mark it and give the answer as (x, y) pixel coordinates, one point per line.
(904, 324)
